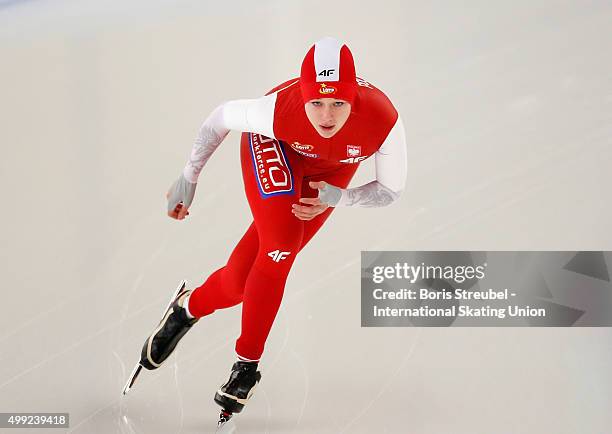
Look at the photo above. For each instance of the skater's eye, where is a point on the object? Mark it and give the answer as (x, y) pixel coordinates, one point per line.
(316, 103)
(339, 103)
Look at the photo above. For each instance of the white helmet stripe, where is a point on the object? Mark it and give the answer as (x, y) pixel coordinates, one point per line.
(327, 59)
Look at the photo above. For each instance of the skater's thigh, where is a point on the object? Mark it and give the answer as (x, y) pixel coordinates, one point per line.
(241, 259)
(273, 181)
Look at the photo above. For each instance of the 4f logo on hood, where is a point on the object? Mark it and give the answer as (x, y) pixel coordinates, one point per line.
(277, 255)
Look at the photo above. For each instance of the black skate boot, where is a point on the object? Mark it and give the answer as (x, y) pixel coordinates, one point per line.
(165, 337)
(173, 326)
(234, 394)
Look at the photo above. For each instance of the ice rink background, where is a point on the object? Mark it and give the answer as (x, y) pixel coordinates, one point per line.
(508, 112)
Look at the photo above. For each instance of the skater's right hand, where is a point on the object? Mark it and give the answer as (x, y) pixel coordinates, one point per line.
(179, 197)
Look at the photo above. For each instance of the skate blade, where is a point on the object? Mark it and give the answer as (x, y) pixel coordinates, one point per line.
(132, 378)
(138, 367)
(179, 289)
(228, 427)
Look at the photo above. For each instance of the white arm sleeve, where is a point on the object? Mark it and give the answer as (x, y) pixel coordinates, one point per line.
(391, 169)
(245, 115)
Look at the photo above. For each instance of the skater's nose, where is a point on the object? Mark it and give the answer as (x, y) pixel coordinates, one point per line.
(327, 115)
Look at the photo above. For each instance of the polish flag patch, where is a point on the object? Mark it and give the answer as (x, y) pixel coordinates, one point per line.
(353, 150)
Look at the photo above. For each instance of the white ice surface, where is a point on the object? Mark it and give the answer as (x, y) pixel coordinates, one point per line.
(508, 111)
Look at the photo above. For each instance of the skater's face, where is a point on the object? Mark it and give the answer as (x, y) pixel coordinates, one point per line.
(327, 115)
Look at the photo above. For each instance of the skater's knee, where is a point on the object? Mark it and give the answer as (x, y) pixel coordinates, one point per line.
(233, 286)
(234, 296)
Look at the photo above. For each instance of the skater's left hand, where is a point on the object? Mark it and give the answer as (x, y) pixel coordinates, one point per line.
(314, 204)
(328, 194)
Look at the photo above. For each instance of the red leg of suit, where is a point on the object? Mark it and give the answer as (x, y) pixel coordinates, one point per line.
(257, 269)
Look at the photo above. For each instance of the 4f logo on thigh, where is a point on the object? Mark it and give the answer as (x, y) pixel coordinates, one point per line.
(277, 255)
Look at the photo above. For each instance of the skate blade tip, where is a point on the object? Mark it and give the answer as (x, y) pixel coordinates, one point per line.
(125, 390)
(132, 379)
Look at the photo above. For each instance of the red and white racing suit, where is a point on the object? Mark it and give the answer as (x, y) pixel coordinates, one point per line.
(280, 153)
